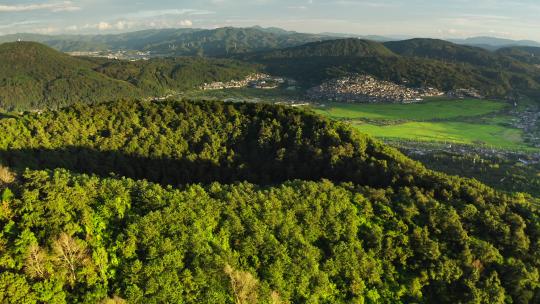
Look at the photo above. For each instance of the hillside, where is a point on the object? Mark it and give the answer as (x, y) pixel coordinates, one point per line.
(526, 54)
(350, 47)
(160, 76)
(228, 41)
(449, 52)
(418, 62)
(392, 232)
(35, 76)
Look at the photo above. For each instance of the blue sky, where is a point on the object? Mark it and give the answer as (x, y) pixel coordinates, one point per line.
(518, 19)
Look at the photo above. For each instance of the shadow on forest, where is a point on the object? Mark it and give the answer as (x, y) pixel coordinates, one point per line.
(107, 163)
(257, 168)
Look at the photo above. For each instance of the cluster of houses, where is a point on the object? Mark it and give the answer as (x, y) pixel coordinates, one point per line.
(116, 55)
(365, 88)
(464, 93)
(529, 121)
(256, 81)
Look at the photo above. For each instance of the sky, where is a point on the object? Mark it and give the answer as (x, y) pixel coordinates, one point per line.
(515, 19)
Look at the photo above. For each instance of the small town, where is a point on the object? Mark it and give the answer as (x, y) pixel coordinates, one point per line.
(116, 55)
(365, 88)
(528, 120)
(254, 81)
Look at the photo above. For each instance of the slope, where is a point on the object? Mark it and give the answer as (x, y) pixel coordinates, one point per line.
(450, 52)
(526, 54)
(35, 76)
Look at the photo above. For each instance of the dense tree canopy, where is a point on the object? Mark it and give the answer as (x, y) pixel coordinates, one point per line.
(252, 203)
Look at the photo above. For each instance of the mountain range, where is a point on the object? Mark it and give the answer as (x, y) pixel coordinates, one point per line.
(219, 41)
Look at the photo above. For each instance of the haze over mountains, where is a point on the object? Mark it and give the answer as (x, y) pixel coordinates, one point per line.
(218, 42)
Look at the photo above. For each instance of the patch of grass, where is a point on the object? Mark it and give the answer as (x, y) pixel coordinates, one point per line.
(436, 109)
(270, 95)
(458, 132)
(464, 121)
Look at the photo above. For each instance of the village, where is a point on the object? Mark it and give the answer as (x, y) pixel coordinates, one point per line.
(115, 55)
(365, 88)
(528, 120)
(255, 81)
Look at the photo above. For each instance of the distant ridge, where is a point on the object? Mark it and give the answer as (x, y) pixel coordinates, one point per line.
(493, 43)
(178, 42)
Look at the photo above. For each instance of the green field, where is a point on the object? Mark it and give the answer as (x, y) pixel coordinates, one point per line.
(466, 121)
(426, 111)
(247, 94)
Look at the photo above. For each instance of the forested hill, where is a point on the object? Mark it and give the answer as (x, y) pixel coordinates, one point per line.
(417, 62)
(449, 52)
(332, 48)
(527, 54)
(33, 76)
(360, 223)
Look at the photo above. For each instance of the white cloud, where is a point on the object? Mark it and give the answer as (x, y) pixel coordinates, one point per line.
(103, 26)
(50, 6)
(188, 23)
(157, 13)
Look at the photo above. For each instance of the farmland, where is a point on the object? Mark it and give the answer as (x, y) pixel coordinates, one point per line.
(464, 121)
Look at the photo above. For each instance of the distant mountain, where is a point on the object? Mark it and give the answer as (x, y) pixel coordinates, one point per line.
(450, 52)
(178, 42)
(493, 43)
(229, 41)
(34, 76)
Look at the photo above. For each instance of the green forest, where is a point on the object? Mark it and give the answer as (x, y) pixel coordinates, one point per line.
(211, 202)
(35, 77)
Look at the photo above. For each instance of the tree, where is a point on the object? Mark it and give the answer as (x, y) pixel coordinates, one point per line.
(70, 254)
(243, 284)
